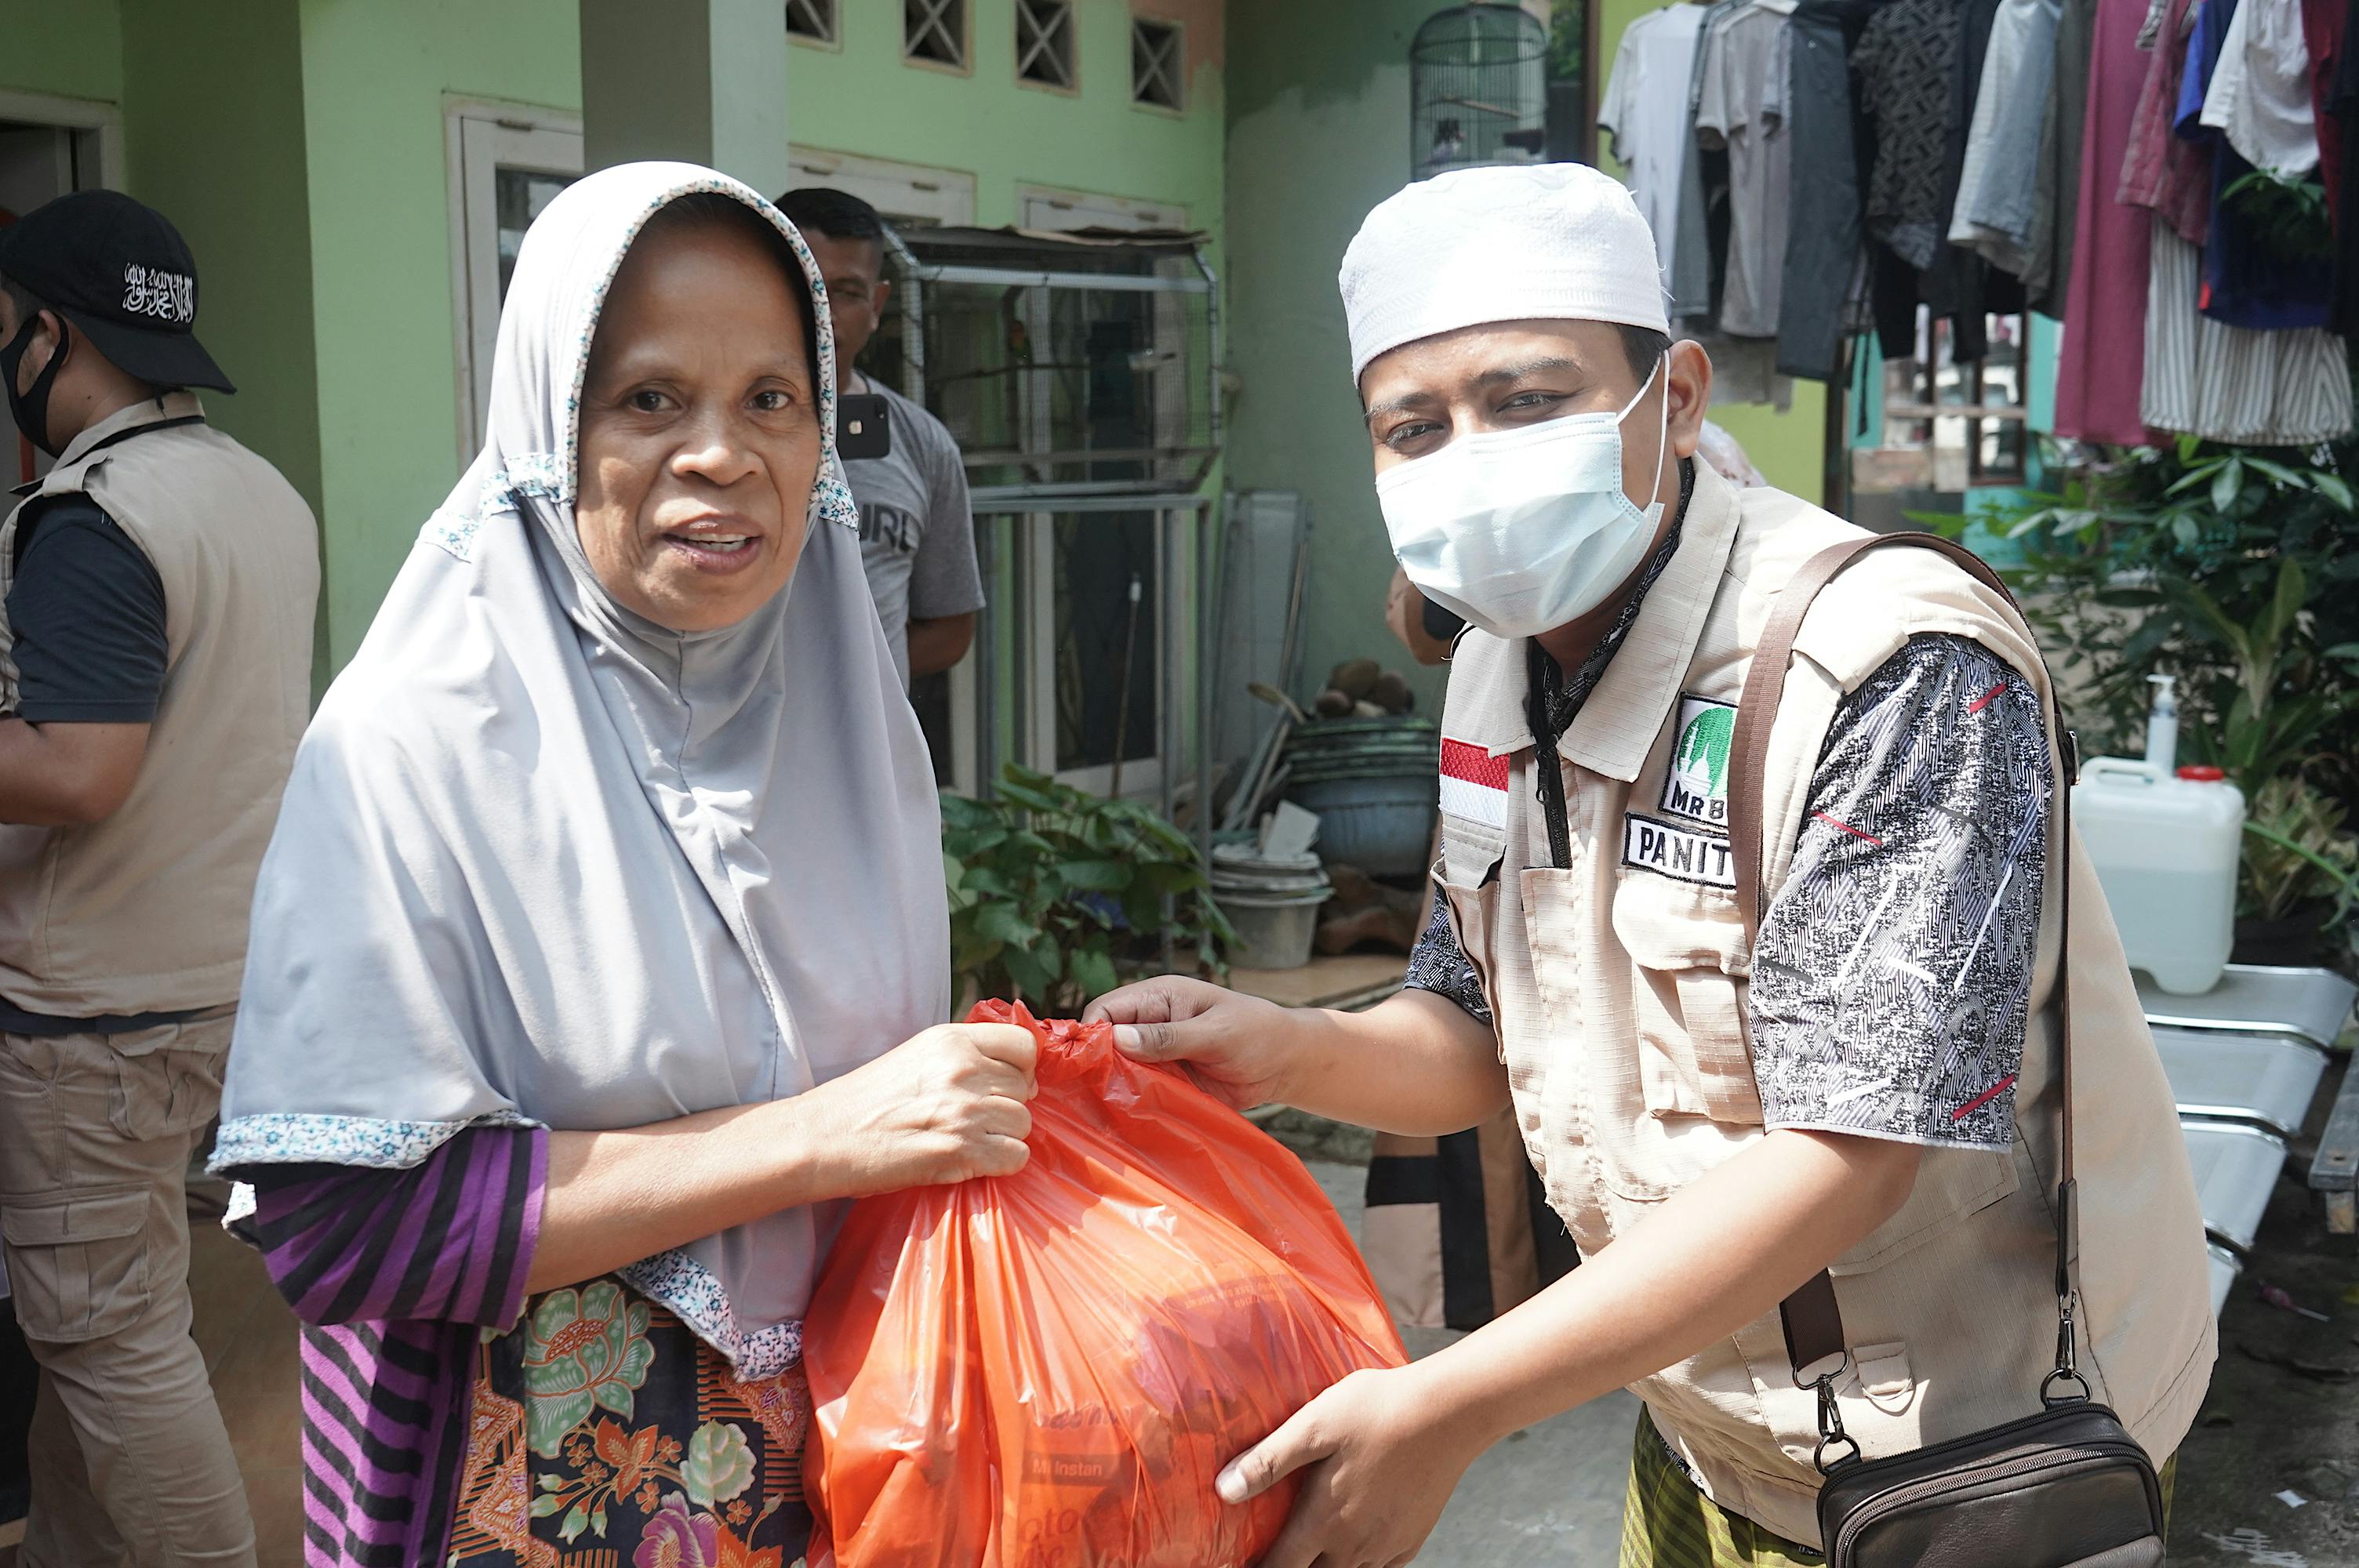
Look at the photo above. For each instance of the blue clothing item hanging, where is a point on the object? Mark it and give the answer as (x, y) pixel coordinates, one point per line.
(2249, 279)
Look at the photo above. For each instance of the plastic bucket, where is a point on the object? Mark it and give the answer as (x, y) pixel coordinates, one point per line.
(1238, 867)
(1383, 826)
(1273, 933)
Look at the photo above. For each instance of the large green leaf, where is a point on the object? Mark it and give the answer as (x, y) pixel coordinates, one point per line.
(2293, 586)
(1049, 956)
(2197, 474)
(1027, 795)
(961, 812)
(1168, 877)
(1142, 907)
(1029, 978)
(1094, 973)
(1001, 922)
(987, 880)
(2226, 483)
(967, 843)
(1096, 876)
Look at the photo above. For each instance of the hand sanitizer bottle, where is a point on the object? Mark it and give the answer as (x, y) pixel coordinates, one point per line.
(2162, 727)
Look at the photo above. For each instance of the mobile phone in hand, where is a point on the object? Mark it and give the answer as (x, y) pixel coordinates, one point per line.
(862, 429)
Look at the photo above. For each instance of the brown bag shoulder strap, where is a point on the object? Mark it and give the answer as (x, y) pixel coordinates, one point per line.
(1813, 1323)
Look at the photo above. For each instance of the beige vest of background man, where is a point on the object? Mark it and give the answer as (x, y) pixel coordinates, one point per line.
(1619, 996)
(145, 911)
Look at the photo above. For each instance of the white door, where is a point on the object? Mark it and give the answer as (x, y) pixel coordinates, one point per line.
(506, 164)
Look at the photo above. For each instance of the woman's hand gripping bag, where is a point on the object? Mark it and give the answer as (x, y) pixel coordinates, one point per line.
(1047, 1369)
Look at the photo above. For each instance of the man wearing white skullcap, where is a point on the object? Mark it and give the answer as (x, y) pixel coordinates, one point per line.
(1774, 1002)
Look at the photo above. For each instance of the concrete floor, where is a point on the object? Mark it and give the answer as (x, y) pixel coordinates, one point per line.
(1550, 1494)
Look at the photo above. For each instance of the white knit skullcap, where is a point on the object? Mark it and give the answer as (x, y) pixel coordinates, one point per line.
(1542, 242)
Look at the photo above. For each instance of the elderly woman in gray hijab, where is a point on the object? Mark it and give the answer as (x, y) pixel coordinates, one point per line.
(598, 956)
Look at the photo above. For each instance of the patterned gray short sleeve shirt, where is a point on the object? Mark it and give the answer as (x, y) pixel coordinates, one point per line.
(1892, 980)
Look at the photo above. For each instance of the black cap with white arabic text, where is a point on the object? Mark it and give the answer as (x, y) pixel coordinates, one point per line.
(119, 271)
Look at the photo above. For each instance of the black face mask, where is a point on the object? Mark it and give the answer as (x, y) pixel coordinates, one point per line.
(31, 409)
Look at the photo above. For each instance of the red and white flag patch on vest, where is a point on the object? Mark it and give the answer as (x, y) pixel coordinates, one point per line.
(1474, 784)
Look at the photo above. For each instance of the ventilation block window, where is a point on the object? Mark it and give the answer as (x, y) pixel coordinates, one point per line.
(1044, 43)
(812, 19)
(1157, 74)
(933, 32)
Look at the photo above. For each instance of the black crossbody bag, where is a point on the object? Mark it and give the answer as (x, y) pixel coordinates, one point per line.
(2065, 1487)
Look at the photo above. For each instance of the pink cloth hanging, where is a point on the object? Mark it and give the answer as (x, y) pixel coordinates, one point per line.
(2101, 363)
(2164, 171)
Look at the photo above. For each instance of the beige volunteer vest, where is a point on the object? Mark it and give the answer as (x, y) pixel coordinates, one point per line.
(145, 911)
(1619, 990)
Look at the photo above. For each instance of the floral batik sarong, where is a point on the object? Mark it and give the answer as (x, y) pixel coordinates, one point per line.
(604, 1433)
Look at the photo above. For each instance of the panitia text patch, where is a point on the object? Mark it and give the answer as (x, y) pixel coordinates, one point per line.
(1649, 844)
(1695, 786)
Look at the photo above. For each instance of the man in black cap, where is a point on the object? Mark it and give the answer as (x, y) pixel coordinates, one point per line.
(158, 587)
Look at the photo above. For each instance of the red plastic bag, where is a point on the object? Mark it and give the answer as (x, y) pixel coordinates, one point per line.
(1047, 1369)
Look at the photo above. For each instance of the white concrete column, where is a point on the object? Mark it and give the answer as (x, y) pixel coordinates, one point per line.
(703, 80)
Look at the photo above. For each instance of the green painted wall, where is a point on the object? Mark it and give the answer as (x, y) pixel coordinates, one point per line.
(862, 98)
(375, 76)
(70, 47)
(316, 195)
(1318, 135)
(227, 169)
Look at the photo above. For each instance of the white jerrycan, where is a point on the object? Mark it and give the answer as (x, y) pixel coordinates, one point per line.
(2166, 849)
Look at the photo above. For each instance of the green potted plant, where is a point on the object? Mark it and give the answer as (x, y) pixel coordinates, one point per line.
(2301, 874)
(1058, 896)
(2233, 570)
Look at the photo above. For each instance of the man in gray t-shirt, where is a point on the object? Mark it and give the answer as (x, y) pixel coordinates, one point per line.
(916, 532)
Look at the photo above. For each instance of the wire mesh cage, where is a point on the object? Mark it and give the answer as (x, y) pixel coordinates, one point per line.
(1078, 365)
(1478, 90)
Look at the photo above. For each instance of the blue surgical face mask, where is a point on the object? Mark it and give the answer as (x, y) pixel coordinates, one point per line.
(1523, 531)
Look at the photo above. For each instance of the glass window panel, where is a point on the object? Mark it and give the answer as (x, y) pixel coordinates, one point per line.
(1107, 594)
(518, 195)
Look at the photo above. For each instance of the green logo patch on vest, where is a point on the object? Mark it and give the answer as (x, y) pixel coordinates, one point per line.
(1695, 786)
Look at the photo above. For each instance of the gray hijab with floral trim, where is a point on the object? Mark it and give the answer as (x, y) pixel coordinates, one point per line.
(543, 863)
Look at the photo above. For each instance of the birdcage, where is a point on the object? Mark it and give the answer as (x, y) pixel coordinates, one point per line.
(1064, 364)
(1478, 90)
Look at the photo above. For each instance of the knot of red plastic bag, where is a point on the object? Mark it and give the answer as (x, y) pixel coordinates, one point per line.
(1069, 1048)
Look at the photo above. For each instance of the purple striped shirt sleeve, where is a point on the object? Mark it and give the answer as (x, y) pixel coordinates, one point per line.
(385, 1437)
(450, 1239)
